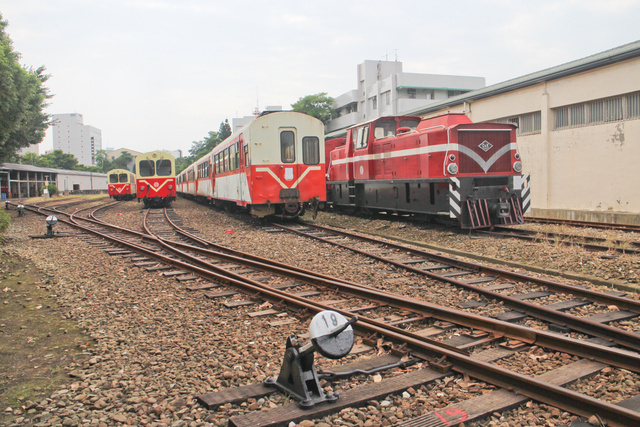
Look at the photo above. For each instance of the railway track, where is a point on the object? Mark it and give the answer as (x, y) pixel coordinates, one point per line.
(384, 315)
(511, 288)
(587, 242)
(575, 223)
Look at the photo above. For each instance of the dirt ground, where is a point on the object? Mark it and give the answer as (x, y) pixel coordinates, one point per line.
(36, 340)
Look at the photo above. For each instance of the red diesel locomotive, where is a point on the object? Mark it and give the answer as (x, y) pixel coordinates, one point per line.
(444, 166)
(273, 166)
(121, 184)
(155, 178)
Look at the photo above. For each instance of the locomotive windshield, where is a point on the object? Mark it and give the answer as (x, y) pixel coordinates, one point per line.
(123, 177)
(385, 129)
(163, 167)
(113, 178)
(409, 123)
(147, 168)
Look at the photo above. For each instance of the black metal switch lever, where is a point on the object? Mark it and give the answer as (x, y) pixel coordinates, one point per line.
(298, 376)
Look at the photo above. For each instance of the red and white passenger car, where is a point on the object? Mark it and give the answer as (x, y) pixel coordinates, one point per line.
(273, 166)
(121, 184)
(442, 166)
(156, 178)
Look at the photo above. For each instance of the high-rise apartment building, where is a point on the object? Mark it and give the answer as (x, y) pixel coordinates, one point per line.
(72, 136)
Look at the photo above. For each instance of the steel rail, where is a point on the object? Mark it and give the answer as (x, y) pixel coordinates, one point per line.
(538, 390)
(530, 387)
(606, 332)
(565, 239)
(576, 223)
(498, 328)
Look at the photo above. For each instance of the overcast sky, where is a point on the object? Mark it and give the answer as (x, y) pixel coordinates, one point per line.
(160, 74)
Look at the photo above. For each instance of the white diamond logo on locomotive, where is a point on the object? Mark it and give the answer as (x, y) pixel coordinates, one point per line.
(485, 146)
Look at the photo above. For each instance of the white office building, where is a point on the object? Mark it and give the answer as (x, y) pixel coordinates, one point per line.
(72, 136)
(385, 90)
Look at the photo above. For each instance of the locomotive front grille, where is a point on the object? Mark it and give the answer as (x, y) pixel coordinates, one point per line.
(485, 151)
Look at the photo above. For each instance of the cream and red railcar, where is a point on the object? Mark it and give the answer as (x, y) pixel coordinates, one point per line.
(121, 184)
(155, 178)
(444, 166)
(273, 166)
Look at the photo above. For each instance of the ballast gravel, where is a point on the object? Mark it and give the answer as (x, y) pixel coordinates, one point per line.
(152, 346)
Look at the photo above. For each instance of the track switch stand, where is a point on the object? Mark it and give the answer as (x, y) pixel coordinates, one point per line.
(332, 336)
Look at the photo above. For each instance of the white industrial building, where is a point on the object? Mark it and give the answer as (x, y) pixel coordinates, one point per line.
(385, 90)
(24, 181)
(72, 136)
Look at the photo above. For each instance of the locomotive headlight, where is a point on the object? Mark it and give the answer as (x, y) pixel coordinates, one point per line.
(452, 157)
(517, 167)
(170, 187)
(142, 188)
(517, 156)
(452, 168)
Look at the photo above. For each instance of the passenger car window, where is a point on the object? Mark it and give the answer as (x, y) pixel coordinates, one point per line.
(287, 146)
(310, 150)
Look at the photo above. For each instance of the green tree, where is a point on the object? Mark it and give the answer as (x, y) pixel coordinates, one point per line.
(23, 97)
(102, 161)
(319, 106)
(122, 162)
(200, 148)
(60, 160)
(29, 159)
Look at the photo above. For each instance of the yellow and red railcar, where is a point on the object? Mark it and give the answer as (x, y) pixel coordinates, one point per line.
(445, 166)
(121, 184)
(155, 178)
(273, 166)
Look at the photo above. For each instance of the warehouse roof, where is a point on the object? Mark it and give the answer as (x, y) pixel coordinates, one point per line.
(31, 168)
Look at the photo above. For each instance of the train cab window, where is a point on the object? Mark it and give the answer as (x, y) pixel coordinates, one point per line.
(363, 138)
(354, 137)
(164, 167)
(310, 150)
(287, 146)
(409, 123)
(147, 168)
(385, 129)
(246, 155)
(123, 177)
(113, 178)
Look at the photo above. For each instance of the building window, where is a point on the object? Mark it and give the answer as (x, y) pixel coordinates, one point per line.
(412, 93)
(374, 102)
(387, 97)
(599, 111)
(633, 105)
(528, 124)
